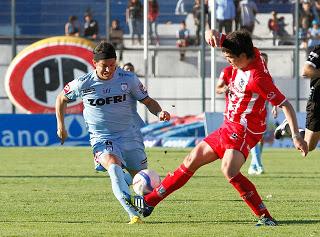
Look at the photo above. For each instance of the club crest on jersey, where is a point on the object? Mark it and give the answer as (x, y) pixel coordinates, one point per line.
(234, 136)
(109, 146)
(124, 86)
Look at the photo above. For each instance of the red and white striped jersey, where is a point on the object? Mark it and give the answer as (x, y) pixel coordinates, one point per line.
(249, 88)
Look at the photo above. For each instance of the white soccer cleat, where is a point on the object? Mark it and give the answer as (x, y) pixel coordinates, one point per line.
(260, 170)
(252, 170)
(282, 130)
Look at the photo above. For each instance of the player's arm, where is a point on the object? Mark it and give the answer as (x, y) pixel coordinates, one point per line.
(290, 115)
(221, 87)
(61, 105)
(266, 88)
(309, 71)
(154, 108)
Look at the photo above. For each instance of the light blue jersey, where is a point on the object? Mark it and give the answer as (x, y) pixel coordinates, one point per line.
(109, 105)
(110, 113)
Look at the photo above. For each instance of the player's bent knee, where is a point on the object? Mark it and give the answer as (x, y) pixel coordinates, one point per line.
(106, 161)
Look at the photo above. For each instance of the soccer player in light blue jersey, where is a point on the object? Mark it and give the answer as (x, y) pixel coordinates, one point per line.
(109, 96)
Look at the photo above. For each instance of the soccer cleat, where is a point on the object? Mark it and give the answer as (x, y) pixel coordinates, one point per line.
(252, 170)
(255, 170)
(266, 221)
(135, 220)
(260, 170)
(138, 203)
(282, 130)
(143, 208)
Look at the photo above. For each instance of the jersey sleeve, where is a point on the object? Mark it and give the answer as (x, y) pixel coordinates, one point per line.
(138, 91)
(314, 58)
(71, 90)
(225, 75)
(264, 86)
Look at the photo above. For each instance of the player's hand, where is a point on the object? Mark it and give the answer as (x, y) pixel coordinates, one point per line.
(164, 116)
(301, 145)
(62, 134)
(274, 112)
(214, 38)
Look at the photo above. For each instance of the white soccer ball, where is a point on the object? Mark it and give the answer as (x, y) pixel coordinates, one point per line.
(145, 181)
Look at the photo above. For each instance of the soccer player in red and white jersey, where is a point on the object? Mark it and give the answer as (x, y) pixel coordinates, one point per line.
(248, 85)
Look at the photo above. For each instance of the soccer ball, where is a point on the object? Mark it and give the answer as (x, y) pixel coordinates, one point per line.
(145, 181)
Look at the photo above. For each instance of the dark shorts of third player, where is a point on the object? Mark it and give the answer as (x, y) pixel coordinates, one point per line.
(313, 116)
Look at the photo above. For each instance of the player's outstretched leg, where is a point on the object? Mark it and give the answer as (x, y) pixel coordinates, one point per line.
(121, 191)
(256, 167)
(251, 197)
(169, 184)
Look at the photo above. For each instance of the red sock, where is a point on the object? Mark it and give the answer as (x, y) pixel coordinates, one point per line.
(168, 185)
(249, 194)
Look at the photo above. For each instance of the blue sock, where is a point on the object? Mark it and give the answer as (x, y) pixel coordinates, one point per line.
(256, 156)
(120, 188)
(127, 178)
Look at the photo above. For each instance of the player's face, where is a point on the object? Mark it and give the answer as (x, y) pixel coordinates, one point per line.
(237, 62)
(105, 68)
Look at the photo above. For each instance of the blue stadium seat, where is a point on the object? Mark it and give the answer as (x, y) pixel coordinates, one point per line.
(48, 17)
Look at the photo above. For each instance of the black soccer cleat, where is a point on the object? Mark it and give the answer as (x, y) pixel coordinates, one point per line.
(143, 208)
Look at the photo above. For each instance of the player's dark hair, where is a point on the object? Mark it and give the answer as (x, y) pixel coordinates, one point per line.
(130, 65)
(238, 42)
(104, 50)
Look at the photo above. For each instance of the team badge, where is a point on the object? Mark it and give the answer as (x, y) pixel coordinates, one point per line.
(124, 86)
(109, 146)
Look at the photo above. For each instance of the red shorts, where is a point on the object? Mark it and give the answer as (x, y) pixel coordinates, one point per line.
(232, 136)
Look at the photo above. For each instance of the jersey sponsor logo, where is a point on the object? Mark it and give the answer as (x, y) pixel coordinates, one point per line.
(271, 95)
(66, 89)
(88, 91)
(142, 89)
(107, 91)
(108, 100)
(234, 136)
(124, 86)
(39, 72)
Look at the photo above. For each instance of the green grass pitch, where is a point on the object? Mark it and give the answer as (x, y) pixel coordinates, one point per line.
(56, 192)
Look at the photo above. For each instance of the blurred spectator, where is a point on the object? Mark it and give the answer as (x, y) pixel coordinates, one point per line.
(183, 37)
(72, 27)
(273, 25)
(208, 11)
(180, 10)
(303, 33)
(116, 37)
(238, 13)
(306, 13)
(313, 36)
(153, 13)
(128, 67)
(196, 12)
(226, 13)
(248, 11)
(134, 13)
(91, 28)
(283, 35)
(316, 9)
